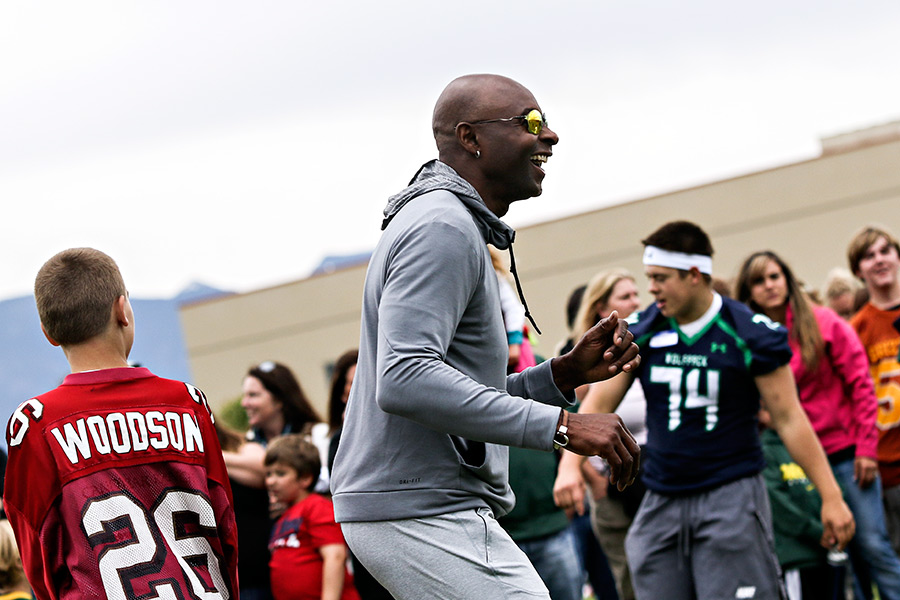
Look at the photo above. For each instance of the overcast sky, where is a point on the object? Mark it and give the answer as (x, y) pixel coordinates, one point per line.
(237, 143)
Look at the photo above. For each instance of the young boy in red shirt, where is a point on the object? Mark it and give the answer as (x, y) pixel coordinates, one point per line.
(309, 554)
(116, 486)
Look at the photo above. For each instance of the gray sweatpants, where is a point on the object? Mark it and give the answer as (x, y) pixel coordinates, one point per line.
(707, 546)
(463, 555)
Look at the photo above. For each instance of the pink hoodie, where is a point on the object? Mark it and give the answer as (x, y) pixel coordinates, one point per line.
(838, 396)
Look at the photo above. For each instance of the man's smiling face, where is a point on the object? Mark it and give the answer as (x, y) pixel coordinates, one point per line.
(512, 158)
(879, 265)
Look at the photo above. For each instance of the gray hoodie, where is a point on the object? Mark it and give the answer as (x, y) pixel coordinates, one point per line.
(431, 409)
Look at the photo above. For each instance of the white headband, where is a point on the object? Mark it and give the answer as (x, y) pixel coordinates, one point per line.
(658, 257)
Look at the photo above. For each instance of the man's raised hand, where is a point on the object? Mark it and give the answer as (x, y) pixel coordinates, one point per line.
(604, 350)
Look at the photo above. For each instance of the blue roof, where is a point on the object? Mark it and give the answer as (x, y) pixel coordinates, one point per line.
(333, 263)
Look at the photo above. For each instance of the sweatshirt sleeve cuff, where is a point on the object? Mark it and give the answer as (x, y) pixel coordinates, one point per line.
(541, 426)
(540, 386)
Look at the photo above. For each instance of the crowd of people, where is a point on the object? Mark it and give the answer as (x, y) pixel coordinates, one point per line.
(843, 385)
(727, 441)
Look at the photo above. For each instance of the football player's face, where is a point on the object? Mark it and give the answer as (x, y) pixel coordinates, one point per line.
(879, 265)
(770, 291)
(673, 293)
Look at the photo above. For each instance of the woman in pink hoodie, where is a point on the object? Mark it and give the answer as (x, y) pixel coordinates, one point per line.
(835, 388)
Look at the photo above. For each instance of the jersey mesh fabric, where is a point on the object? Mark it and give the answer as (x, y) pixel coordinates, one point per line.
(116, 488)
(702, 401)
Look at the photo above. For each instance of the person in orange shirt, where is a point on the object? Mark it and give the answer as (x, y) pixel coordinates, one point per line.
(874, 256)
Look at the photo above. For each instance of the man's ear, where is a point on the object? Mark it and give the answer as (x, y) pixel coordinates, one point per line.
(696, 275)
(465, 135)
(47, 335)
(119, 311)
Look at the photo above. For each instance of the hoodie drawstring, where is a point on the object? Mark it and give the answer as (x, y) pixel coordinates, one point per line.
(512, 269)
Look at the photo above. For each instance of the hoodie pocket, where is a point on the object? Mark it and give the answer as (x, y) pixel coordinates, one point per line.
(471, 454)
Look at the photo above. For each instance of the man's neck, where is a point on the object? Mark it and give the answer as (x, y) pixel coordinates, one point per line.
(884, 298)
(698, 308)
(498, 208)
(478, 181)
(94, 357)
(495, 205)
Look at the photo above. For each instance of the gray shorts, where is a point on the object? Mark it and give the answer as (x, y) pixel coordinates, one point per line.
(463, 555)
(708, 546)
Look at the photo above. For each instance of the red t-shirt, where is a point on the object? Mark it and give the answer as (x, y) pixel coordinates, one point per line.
(296, 565)
(116, 488)
(877, 330)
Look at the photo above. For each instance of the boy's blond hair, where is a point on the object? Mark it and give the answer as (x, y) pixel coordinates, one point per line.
(840, 281)
(75, 292)
(864, 238)
(296, 451)
(11, 572)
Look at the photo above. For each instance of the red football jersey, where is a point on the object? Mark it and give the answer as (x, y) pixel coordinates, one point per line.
(116, 488)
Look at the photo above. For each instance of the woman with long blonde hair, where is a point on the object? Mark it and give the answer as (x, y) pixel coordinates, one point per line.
(615, 284)
(612, 511)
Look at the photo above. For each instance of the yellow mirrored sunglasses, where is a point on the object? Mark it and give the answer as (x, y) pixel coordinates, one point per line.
(535, 121)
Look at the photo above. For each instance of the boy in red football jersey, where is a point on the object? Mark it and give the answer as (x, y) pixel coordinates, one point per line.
(115, 486)
(309, 554)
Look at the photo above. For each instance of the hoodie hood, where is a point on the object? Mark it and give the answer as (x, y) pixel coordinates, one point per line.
(435, 175)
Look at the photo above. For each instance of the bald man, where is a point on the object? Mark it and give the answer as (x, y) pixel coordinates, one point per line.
(421, 472)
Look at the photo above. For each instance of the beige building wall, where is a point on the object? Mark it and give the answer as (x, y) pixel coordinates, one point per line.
(806, 212)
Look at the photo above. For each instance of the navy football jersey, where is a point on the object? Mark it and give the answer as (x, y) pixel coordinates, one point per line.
(702, 401)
